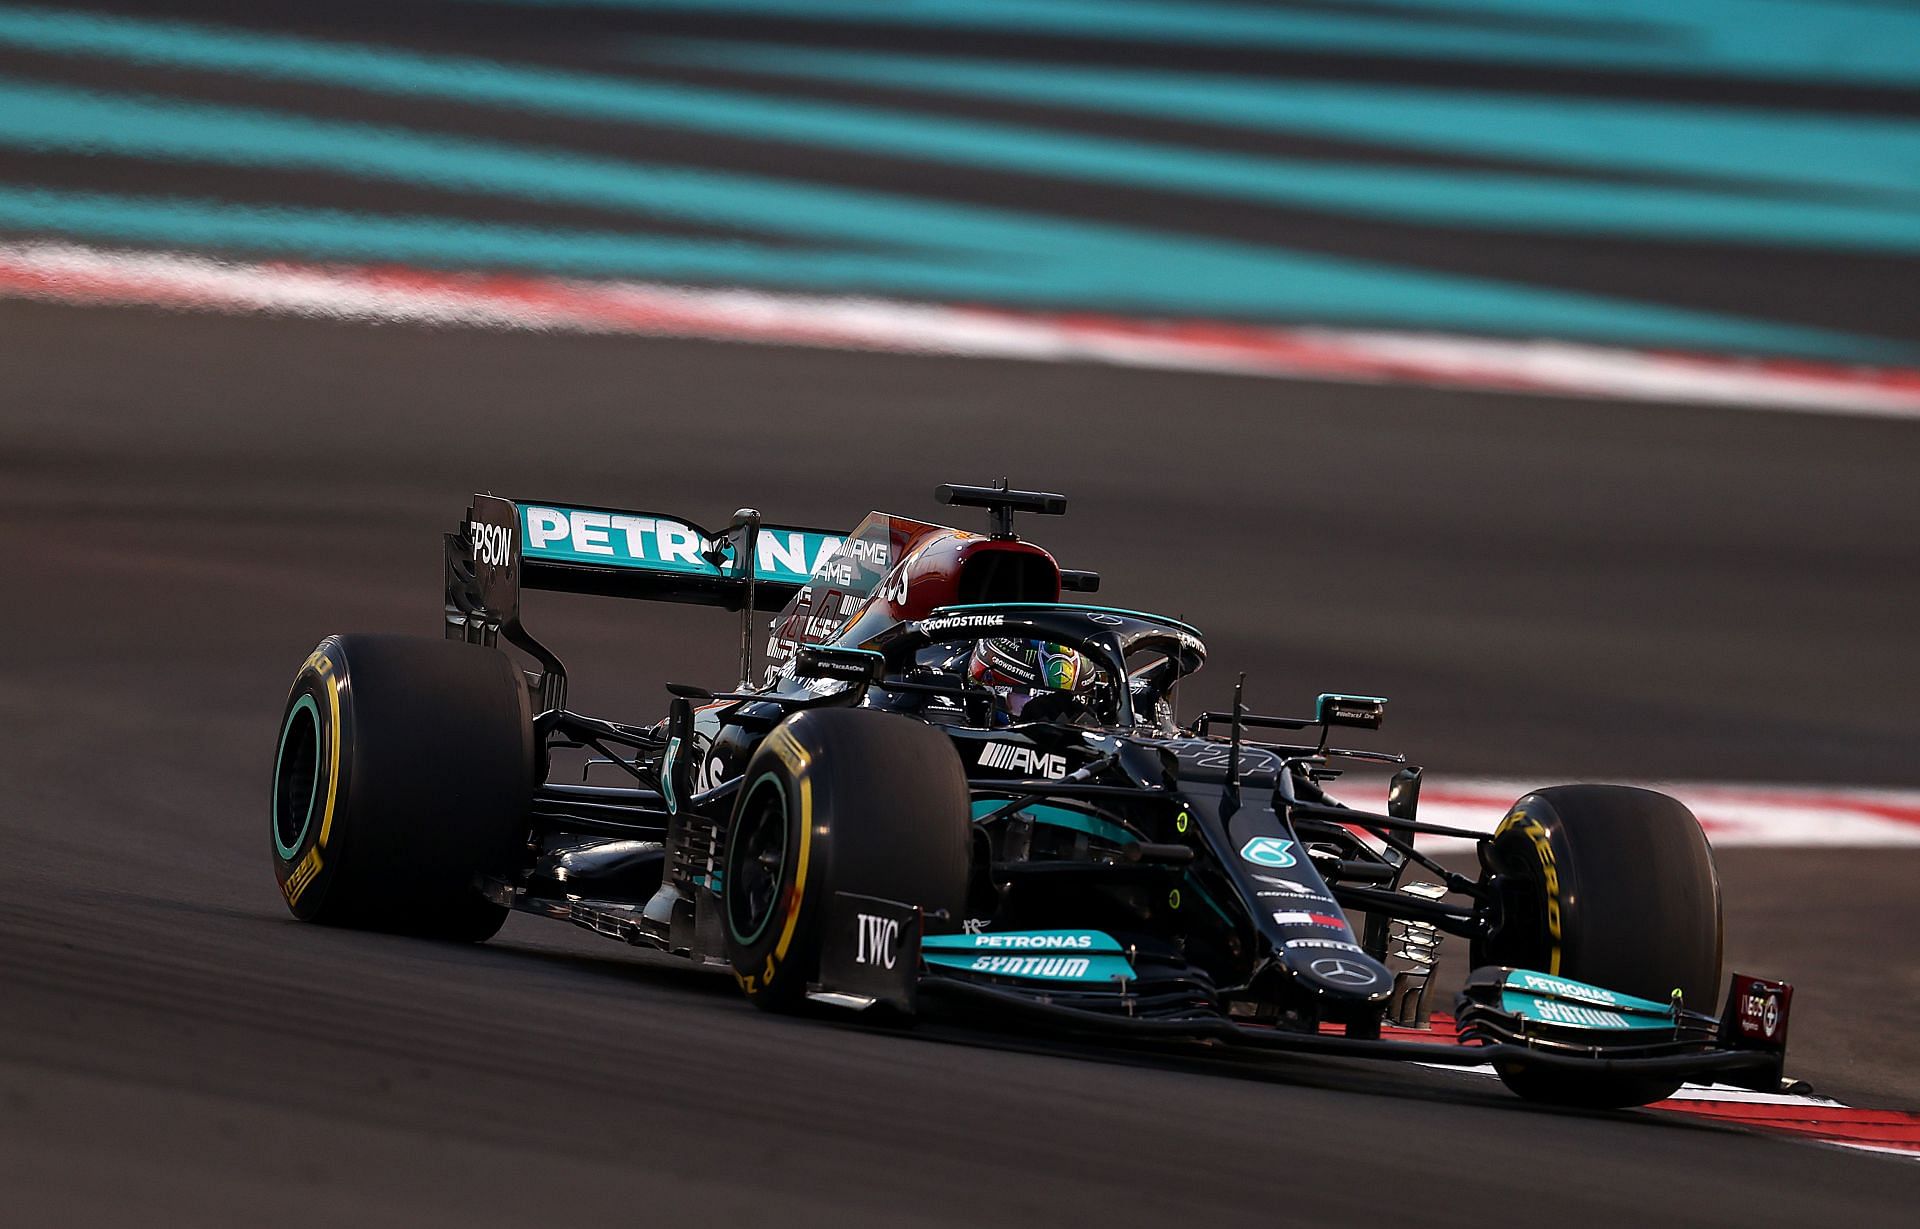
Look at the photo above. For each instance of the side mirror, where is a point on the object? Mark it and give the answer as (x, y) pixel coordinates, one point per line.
(859, 666)
(1360, 712)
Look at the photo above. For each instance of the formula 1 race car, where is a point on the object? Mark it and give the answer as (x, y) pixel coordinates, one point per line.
(948, 789)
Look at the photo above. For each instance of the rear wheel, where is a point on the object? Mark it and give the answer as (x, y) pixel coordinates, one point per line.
(1608, 885)
(839, 800)
(404, 770)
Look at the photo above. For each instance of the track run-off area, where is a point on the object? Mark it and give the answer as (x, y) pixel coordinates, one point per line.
(1405, 349)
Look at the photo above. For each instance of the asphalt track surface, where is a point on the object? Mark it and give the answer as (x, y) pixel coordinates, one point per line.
(1565, 588)
(1576, 590)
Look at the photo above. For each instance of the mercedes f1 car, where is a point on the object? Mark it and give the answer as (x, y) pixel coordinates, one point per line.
(951, 787)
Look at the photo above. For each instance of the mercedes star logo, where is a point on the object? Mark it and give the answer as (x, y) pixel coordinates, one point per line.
(1341, 972)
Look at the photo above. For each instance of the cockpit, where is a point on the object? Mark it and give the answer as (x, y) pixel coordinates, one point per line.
(1014, 663)
(972, 627)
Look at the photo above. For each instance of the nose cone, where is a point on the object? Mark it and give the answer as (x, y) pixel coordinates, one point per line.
(1337, 972)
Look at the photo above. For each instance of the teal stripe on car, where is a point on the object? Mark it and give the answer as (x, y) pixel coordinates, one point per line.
(1060, 817)
(1051, 967)
(654, 543)
(1032, 955)
(1024, 941)
(1548, 999)
(1528, 981)
(1070, 606)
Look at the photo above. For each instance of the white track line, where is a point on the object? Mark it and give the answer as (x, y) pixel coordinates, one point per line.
(1823, 1118)
(75, 273)
(1728, 1093)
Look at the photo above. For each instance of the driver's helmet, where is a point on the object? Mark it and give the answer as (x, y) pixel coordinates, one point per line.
(1019, 670)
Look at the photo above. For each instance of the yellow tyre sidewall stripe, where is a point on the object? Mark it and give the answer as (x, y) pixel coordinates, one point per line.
(1536, 834)
(308, 868)
(798, 898)
(333, 750)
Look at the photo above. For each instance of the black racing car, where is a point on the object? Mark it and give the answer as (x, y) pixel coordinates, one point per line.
(950, 789)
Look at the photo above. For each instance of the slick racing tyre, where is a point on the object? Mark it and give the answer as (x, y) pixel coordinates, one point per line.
(404, 769)
(1612, 886)
(839, 800)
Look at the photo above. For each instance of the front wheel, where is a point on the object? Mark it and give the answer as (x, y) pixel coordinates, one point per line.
(1612, 886)
(404, 770)
(839, 800)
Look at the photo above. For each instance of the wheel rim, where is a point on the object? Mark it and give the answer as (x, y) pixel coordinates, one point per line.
(756, 859)
(296, 777)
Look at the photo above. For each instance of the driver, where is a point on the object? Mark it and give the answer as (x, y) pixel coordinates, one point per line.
(1023, 672)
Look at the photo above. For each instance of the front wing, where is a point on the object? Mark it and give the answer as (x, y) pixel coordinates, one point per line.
(877, 953)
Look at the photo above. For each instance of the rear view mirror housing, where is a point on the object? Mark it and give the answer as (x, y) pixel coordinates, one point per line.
(857, 666)
(1357, 712)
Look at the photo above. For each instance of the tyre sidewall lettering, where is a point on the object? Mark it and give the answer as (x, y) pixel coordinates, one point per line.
(797, 898)
(1540, 842)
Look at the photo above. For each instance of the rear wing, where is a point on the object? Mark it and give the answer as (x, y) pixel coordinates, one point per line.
(505, 546)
